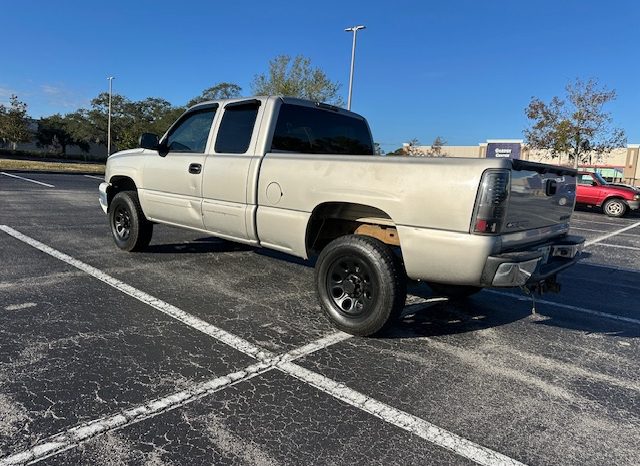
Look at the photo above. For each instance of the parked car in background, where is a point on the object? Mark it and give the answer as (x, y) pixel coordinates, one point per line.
(615, 199)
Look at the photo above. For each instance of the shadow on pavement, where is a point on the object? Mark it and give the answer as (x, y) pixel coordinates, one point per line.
(200, 245)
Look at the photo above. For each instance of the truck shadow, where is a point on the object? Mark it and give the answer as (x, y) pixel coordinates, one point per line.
(200, 245)
(436, 316)
(427, 314)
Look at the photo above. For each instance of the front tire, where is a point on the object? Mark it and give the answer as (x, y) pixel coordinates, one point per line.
(615, 208)
(130, 229)
(361, 284)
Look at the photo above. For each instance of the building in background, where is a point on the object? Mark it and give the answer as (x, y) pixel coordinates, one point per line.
(621, 165)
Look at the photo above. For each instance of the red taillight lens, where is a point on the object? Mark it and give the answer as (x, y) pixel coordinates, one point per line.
(491, 203)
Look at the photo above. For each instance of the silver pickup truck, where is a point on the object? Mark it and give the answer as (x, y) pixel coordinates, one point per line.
(301, 177)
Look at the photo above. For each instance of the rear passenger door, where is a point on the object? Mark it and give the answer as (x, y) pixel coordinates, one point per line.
(226, 208)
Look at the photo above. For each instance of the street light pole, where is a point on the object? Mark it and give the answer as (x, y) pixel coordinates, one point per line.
(355, 30)
(110, 78)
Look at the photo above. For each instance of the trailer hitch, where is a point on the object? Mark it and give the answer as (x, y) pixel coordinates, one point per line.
(548, 285)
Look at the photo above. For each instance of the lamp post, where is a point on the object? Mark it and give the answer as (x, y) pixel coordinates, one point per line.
(110, 78)
(355, 30)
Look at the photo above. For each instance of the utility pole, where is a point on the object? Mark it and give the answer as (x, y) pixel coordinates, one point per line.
(355, 30)
(110, 78)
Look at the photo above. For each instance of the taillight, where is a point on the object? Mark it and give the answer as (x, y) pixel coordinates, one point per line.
(491, 203)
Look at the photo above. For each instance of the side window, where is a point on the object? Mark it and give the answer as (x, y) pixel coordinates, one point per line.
(586, 180)
(191, 134)
(318, 131)
(236, 128)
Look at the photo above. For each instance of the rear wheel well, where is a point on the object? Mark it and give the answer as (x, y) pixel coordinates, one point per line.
(332, 220)
(118, 184)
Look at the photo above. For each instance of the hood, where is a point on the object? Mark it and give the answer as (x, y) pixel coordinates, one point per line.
(125, 153)
(635, 189)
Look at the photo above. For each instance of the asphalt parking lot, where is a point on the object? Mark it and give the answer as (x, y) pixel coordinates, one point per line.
(200, 351)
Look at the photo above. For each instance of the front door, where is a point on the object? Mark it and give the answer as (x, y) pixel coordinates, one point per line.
(587, 189)
(172, 184)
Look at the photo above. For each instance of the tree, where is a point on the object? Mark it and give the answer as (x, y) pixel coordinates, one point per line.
(412, 147)
(129, 119)
(436, 147)
(577, 126)
(297, 78)
(377, 149)
(54, 131)
(14, 123)
(218, 91)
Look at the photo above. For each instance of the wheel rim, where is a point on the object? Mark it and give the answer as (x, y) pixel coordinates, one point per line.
(350, 286)
(122, 223)
(614, 208)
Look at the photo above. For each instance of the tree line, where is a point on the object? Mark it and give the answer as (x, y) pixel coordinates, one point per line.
(576, 125)
(288, 76)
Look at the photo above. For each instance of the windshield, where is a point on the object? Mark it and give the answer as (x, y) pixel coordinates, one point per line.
(601, 180)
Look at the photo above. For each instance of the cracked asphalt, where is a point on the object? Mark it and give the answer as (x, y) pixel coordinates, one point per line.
(103, 368)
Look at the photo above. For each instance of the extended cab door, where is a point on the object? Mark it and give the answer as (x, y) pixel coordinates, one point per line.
(227, 207)
(172, 180)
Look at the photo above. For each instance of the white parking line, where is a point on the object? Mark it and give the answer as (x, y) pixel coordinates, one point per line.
(101, 178)
(619, 246)
(583, 310)
(399, 418)
(192, 321)
(590, 221)
(612, 234)
(27, 179)
(80, 433)
(389, 414)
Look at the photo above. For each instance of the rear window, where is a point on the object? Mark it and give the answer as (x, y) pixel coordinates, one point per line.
(316, 131)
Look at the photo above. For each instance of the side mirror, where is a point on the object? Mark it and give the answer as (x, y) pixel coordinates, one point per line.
(149, 141)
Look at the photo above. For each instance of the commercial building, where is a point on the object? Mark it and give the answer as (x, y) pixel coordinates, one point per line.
(621, 164)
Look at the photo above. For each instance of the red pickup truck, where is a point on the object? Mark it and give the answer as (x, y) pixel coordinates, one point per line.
(615, 200)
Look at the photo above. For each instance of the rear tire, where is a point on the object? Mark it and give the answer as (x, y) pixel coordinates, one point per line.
(361, 285)
(615, 207)
(454, 291)
(130, 228)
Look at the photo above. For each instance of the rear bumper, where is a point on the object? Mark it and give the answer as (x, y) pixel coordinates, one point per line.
(531, 266)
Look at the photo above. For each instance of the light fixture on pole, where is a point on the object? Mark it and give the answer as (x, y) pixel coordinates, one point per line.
(355, 30)
(110, 78)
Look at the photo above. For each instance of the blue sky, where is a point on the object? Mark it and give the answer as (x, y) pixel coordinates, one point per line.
(464, 70)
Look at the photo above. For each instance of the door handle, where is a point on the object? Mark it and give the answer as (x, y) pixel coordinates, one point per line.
(195, 168)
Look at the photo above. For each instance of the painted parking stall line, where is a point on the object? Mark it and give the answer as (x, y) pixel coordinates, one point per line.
(424, 429)
(266, 361)
(611, 235)
(619, 246)
(583, 310)
(101, 178)
(27, 179)
(192, 321)
(86, 431)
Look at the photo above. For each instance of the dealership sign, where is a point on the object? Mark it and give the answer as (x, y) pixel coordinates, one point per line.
(504, 150)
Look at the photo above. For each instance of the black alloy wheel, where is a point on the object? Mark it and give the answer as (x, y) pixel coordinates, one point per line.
(351, 285)
(130, 229)
(361, 284)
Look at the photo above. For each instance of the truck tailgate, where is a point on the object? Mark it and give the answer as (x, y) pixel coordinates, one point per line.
(541, 195)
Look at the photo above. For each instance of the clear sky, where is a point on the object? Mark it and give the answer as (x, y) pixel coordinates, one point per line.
(461, 69)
